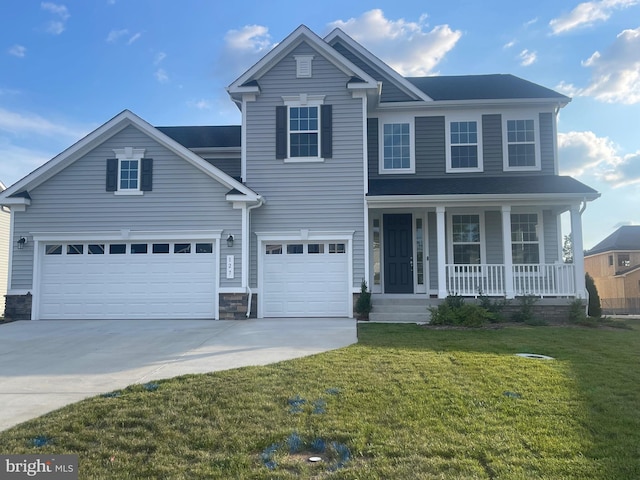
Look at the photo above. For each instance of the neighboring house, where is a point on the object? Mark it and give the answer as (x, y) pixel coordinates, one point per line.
(614, 265)
(342, 170)
(4, 251)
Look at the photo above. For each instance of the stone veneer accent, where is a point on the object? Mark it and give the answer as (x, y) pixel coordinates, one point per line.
(233, 306)
(18, 307)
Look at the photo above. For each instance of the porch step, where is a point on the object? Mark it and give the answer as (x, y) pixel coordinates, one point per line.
(401, 309)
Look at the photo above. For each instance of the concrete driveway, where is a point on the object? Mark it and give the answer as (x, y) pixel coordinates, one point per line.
(45, 365)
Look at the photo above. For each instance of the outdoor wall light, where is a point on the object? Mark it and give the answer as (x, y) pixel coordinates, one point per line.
(230, 241)
(21, 243)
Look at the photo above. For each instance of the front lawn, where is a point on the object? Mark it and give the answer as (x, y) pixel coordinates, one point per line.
(405, 403)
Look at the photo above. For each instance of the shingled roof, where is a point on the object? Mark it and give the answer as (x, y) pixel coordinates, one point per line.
(626, 238)
(483, 87)
(205, 136)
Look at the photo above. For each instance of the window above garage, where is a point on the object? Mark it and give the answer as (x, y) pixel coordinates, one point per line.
(129, 173)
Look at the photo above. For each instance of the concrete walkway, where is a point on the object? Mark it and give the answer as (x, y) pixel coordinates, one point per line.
(45, 365)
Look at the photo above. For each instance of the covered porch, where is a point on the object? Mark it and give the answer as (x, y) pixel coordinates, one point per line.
(505, 244)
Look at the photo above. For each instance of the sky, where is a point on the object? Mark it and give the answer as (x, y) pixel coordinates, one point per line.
(67, 67)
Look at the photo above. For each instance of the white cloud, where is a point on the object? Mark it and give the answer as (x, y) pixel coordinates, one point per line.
(20, 123)
(587, 13)
(56, 27)
(509, 44)
(531, 22)
(527, 58)
(115, 35)
(616, 72)
(406, 46)
(161, 75)
(18, 51)
(134, 37)
(250, 38)
(16, 162)
(201, 104)
(585, 154)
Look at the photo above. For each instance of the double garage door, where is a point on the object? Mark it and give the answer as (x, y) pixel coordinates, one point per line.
(305, 279)
(127, 280)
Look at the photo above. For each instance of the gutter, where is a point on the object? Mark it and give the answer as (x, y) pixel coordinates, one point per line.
(249, 292)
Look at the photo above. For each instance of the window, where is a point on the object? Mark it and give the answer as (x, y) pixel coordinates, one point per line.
(53, 250)
(396, 146)
(117, 249)
(95, 249)
(204, 248)
(75, 249)
(376, 251)
(420, 251)
(295, 249)
(337, 248)
(160, 248)
(525, 245)
(465, 233)
(139, 248)
(611, 260)
(624, 260)
(273, 250)
(303, 131)
(521, 144)
(182, 248)
(464, 145)
(129, 172)
(315, 248)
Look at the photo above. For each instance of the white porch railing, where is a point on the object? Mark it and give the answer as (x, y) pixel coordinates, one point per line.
(489, 279)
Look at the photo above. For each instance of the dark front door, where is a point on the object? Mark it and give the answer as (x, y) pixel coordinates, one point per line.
(398, 252)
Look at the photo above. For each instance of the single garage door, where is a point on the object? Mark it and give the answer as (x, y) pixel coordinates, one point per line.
(132, 280)
(305, 280)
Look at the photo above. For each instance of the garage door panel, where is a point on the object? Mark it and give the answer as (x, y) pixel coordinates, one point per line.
(128, 285)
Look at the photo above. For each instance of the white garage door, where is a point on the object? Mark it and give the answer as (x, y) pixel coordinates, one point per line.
(305, 280)
(127, 280)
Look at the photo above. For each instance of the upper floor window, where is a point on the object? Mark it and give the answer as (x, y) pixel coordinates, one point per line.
(304, 129)
(521, 149)
(464, 146)
(129, 173)
(396, 140)
(525, 243)
(624, 260)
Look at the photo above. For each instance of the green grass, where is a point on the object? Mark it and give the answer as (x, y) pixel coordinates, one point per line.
(408, 402)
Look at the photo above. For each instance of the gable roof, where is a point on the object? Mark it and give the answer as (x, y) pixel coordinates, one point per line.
(626, 237)
(221, 136)
(484, 87)
(15, 194)
(247, 82)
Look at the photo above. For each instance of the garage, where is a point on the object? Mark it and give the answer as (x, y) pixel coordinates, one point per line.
(127, 280)
(305, 279)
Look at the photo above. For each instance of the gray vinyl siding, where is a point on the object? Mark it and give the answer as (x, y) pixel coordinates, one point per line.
(320, 196)
(493, 160)
(430, 147)
(75, 200)
(550, 228)
(493, 236)
(230, 166)
(390, 92)
(547, 150)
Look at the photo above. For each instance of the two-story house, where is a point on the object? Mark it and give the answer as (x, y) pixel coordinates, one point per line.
(341, 171)
(614, 265)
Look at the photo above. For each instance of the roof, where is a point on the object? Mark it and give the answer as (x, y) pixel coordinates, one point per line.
(205, 136)
(626, 237)
(483, 87)
(503, 185)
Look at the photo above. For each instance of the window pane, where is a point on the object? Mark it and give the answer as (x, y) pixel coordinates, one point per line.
(182, 248)
(464, 157)
(522, 155)
(77, 249)
(160, 248)
(96, 249)
(117, 249)
(273, 249)
(524, 253)
(128, 174)
(294, 249)
(315, 248)
(466, 254)
(304, 144)
(420, 251)
(396, 146)
(337, 248)
(53, 250)
(139, 248)
(204, 248)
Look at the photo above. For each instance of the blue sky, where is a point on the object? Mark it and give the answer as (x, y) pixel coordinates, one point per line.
(66, 67)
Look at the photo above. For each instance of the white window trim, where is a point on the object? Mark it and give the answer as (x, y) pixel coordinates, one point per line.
(505, 142)
(483, 243)
(539, 233)
(386, 120)
(129, 153)
(447, 134)
(304, 100)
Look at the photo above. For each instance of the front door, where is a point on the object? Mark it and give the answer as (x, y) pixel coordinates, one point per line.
(398, 253)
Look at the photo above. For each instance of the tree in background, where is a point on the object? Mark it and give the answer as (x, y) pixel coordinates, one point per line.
(567, 249)
(594, 309)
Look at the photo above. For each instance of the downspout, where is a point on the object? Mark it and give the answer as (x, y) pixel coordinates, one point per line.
(249, 292)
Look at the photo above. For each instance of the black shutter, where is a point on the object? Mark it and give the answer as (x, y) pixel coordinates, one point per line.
(146, 174)
(112, 174)
(326, 131)
(281, 131)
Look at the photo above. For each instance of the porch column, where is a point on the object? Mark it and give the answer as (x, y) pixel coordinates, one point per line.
(578, 250)
(442, 254)
(507, 252)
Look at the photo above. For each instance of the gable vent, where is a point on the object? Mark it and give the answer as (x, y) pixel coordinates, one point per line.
(303, 66)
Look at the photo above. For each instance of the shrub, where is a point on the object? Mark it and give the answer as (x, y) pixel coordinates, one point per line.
(525, 313)
(577, 312)
(454, 311)
(594, 309)
(363, 305)
(494, 307)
